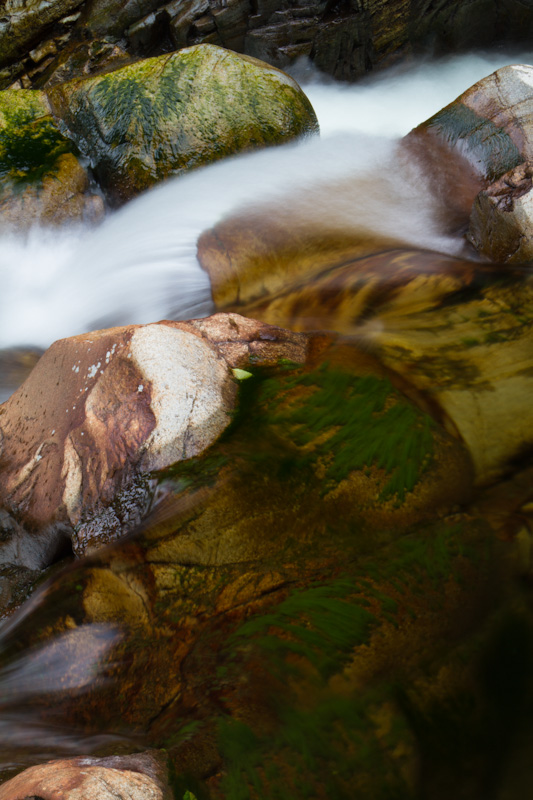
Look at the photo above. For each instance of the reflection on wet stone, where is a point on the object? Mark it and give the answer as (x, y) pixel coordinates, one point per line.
(283, 551)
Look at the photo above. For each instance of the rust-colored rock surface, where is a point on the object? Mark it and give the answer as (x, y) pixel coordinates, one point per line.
(136, 777)
(101, 409)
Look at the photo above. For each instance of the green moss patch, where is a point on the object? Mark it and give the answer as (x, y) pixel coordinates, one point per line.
(322, 624)
(328, 744)
(161, 116)
(30, 142)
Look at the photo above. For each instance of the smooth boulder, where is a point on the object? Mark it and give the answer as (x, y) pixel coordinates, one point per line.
(162, 116)
(456, 333)
(486, 132)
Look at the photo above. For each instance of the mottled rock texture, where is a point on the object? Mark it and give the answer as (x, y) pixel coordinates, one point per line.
(501, 222)
(344, 39)
(136, 777)
(474, 141)
(162, 116)
(101, 409)
(41, 177)
(458, 333)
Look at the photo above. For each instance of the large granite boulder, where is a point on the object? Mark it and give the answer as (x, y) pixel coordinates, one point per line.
(41, 177)
(159, 117)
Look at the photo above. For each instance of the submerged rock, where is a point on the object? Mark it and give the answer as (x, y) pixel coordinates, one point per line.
(486, 132)
(41, 177)
(302, 637)
(16, 363)
(457, 333)
(162, 116)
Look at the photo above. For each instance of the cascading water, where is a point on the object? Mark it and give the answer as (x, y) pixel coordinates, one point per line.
(140, 264)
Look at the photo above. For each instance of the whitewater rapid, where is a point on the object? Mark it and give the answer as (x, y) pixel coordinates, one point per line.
(140, 264)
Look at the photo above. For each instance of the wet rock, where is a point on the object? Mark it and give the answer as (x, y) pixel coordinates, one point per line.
(101, 410)
(24, 23)
(345, 41)
(81, 59)
(41, 178)
(474, 141)
(473, 373)
(162, 116)
(501, 222)
(135, 777)
(261, 249)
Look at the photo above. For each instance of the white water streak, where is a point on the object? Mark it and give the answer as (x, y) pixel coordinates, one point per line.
(140, 265)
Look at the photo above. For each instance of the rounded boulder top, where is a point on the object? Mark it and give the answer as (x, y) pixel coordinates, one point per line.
(162, 116)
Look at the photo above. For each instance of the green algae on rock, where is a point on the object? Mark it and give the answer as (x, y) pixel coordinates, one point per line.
(162, 116)
(41, 178)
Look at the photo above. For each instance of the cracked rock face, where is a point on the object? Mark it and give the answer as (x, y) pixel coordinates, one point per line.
(501, 223)
(102, 410)
(135, 777)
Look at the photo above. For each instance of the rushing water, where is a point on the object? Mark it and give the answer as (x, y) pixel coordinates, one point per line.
(140, 264)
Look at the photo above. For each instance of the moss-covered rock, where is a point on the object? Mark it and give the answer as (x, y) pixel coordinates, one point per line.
(41, 178)
(162, 116)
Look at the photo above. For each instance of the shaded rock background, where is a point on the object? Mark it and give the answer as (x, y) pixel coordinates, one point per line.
(343, 39)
